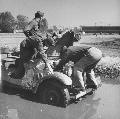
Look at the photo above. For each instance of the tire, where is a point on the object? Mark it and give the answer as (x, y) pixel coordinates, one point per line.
(55, 94)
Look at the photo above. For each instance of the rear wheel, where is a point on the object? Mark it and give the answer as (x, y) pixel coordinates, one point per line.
(55, 94)
(11, 68)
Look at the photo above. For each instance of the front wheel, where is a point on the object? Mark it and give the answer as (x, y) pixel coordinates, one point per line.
(55, 94)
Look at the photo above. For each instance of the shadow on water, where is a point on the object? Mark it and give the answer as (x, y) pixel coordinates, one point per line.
(23, 94)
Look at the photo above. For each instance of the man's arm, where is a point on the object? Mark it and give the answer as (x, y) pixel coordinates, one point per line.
(62, 62)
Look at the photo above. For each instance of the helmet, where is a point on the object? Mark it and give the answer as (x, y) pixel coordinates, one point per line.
(39, 14)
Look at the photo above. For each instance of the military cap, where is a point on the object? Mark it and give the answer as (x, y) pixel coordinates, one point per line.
(39, 14)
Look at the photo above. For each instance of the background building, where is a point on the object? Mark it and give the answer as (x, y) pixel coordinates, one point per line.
(101, 29)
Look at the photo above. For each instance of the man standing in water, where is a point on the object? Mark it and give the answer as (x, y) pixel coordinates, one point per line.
(85, 59)
(32, 46)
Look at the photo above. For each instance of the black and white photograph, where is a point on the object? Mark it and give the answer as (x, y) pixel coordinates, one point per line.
(59, 59)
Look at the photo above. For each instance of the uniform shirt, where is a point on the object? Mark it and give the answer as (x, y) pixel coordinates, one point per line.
(35, 38)
(74, 54)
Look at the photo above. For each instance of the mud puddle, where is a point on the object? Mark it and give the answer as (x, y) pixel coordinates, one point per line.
(104, 104)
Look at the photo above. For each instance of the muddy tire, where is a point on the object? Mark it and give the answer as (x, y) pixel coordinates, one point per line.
(55, 94)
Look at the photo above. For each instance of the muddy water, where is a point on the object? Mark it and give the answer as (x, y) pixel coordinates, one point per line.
(104, 104)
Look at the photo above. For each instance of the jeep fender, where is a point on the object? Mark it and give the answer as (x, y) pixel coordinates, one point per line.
(60, 77)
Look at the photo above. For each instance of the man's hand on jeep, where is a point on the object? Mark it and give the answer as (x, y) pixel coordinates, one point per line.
(49, 69)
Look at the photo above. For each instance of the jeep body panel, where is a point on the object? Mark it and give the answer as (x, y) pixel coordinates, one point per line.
(60, 77)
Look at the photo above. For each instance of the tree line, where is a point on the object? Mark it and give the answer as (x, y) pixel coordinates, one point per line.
(8, 23)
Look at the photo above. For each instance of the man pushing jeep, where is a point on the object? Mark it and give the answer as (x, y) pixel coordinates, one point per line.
(85, 59)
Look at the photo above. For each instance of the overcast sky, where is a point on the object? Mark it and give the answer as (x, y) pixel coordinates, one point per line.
(67, 12)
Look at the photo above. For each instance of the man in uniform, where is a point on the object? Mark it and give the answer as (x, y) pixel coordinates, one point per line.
(85, 59)
(32, 46)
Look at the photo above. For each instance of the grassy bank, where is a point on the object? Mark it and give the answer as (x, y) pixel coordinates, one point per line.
(109, 66)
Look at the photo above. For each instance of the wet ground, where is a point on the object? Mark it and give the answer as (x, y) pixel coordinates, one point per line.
(104, 104)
